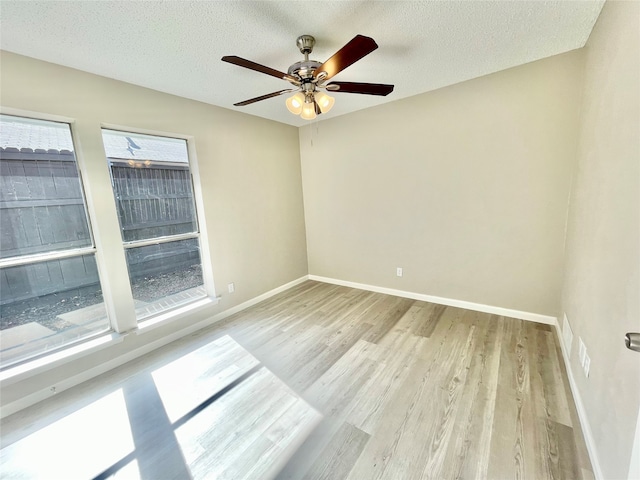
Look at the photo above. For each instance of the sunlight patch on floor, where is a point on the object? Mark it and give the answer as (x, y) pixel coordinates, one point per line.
(81, 445)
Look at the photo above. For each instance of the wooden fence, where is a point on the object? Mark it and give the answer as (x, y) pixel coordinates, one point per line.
(42, 210)
(41, 207)
(153, 201)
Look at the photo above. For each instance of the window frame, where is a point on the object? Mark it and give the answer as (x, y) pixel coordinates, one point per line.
(199, 234)
(59, 254)
(196, 185)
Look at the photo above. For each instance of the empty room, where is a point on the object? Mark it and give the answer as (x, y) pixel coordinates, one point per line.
(320, 240)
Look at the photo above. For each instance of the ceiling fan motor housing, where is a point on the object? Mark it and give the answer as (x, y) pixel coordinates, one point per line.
(304, 69)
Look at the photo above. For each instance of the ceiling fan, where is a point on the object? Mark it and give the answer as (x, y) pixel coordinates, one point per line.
(309, 77)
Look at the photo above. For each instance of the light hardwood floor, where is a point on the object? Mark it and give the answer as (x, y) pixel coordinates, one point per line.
(406, 390)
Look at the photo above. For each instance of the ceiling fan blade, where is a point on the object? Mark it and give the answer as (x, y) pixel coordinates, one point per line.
(263, 97)
(242, 62)
(363, 88)
(358, 47)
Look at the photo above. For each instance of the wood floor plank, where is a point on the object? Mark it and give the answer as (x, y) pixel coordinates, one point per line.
(210, 444)
(421, 319)
(506, 456)
(333, 391)
(279, 441)
(383, 315)
(557, 407)
(260, 319)
(316, 311)
(287, 346)
(379, 391)
(452, 405)
(275, 304)
(331, 394)
(417, 423)
(468, 455)
(201, 373)
(337, 459)
(341, 305)
(353, 311)
(307, 373)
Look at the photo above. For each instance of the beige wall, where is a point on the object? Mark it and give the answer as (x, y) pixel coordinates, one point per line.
(601, 288)
(466, 188)
(250, 179)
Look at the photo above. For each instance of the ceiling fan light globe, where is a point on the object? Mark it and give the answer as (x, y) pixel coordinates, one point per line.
(325, 102)
(295, 103)
(308, 111)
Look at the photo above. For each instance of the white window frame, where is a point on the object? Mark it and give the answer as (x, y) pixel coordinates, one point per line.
(200, 234)
(32, 259)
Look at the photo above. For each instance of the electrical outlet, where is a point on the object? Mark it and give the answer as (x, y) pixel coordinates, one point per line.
(587, 365)
(582, 351)
(399, 271)
(231, 287)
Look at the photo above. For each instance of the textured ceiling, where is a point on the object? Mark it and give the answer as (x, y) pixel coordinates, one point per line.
(176, 46)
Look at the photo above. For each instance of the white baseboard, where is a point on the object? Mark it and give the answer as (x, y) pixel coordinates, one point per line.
(478, 307)
(260, 298)
(90, 373)
(582, 413)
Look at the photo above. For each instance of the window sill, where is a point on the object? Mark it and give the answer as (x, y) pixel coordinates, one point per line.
(53, 360)
(42, 364)
(178, 313)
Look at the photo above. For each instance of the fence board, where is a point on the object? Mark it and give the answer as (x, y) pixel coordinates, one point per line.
(19, 186)
(30, 226)
(13, 232)
(32, 173)
(39, 273)
(17, 284)
(54, 271)
(6, 187)
(46, 172)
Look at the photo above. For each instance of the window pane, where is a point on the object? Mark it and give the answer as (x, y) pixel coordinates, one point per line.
(49, 304)
(44, 305)
(154, 194)
(42, 205)
(152, 185)
(165, 276)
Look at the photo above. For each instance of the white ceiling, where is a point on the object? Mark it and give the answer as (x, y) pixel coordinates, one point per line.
(176, 46)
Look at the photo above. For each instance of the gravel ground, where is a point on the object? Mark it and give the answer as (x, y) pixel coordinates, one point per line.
(46, 309)
(152, 288)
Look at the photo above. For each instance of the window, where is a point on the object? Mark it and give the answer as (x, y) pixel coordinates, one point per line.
(157, 214)
(50, 293)
(50, 290)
